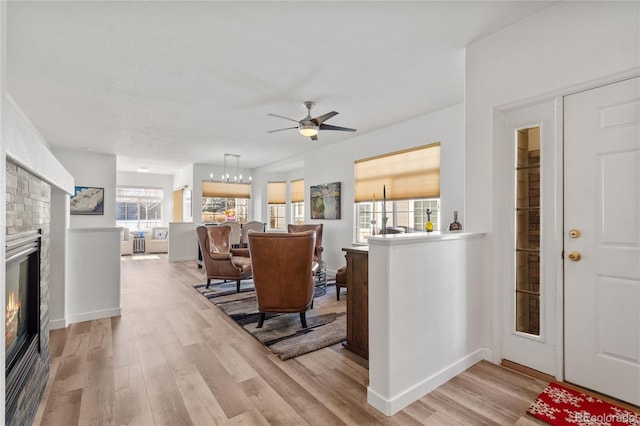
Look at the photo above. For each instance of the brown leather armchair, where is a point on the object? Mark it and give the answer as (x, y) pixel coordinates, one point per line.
(317, 253)
(220, 260)
(283, 271)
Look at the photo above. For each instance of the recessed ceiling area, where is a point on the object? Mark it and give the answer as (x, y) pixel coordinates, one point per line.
(162, 85)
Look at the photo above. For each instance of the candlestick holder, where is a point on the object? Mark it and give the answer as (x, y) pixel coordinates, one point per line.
(384, 225)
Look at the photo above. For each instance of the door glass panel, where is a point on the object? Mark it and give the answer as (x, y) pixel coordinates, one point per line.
(527, 232)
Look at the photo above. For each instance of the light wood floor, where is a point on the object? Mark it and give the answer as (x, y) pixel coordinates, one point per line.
(173, 358)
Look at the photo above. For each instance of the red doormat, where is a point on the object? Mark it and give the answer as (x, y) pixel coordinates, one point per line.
(558, 405)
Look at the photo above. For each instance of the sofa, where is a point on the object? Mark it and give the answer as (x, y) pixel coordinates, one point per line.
(126, 242)
(157, 241)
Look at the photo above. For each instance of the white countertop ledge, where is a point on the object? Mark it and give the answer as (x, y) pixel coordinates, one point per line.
(87, 230)
(421, 237)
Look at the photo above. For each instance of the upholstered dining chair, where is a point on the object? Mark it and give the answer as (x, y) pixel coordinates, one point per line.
(283, 272)
(341, 279)
(252, 225)
(236, 230)
(317, 228)
(221, 261)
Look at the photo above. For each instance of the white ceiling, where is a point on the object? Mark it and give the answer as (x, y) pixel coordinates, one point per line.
(166, 84)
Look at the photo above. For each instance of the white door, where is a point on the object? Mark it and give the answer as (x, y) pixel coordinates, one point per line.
(602, 254)
(530, 194)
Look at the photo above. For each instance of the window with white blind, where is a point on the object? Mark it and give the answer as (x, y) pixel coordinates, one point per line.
(277, 200)
(222, 201)
(297, 201)
(410, 180)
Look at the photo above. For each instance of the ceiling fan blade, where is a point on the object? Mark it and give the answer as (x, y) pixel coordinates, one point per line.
(282, 116)
(321, 119)
(314, 137)
(330, 127)
(279, 130)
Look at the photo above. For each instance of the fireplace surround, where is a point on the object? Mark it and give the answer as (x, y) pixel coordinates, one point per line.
(22, 312)
(28, 212)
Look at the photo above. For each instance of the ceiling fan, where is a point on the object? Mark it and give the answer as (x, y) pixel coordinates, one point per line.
(310, 126)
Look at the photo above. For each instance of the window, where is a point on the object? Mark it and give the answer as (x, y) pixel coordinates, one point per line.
(222, 201)
(528, 231)
(138, 208)
(297, 201)
(277, 195)
(410, 179)
(216, 209)
(410, 215)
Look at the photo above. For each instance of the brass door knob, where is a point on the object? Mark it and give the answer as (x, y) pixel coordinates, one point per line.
(575, 256)
(574, 233)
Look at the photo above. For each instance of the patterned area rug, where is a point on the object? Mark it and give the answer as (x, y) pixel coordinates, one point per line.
(558, 405)
(282, 333)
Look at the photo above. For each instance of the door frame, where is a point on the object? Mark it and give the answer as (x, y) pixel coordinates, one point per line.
(504, 226)
(502, 241)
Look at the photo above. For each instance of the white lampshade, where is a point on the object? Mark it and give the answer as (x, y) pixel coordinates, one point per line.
(308, 129)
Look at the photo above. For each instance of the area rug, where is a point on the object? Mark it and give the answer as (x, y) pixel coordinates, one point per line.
(559, 405)
(282, 333)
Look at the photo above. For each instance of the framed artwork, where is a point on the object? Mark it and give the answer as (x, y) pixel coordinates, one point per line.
(325, 201)
(87, 200)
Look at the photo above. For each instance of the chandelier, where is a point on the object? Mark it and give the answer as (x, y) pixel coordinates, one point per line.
(236, 177)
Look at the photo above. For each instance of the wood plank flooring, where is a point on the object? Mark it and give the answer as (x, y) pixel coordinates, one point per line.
(173, 358)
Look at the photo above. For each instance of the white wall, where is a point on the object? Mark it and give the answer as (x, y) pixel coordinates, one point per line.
(148, 180)
(93, 269)
(334, 163)
(26, 147)
(260, 194)
(568, 44)
(184, 179)
(60, 206)
(92, 169)
(425, 313)
(567, 47)
(183, 242)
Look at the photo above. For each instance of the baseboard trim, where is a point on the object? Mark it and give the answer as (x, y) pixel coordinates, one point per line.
(90, 316)
(390, 406)
(182, 259)
(527, 371)
(57, 324)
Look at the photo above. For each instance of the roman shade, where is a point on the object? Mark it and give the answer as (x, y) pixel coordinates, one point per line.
(406, 175)
(277, 192)
(225, 190)
(297, 191)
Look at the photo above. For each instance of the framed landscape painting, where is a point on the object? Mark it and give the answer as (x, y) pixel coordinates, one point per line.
(325, 201)
(88, 200)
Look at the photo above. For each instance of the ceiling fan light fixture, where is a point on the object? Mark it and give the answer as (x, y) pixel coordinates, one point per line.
(308, 129)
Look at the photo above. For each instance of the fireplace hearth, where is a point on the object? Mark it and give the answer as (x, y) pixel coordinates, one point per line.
(22, 313)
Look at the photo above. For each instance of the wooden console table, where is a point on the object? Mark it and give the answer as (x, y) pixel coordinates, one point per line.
(357, 300)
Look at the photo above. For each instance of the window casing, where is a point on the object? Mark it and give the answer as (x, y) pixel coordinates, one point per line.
(297, 213)
(138, 208)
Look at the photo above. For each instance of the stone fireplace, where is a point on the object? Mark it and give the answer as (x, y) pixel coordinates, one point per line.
(28, 239)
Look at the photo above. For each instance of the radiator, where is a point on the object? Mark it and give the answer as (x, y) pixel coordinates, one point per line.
(138, 244)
